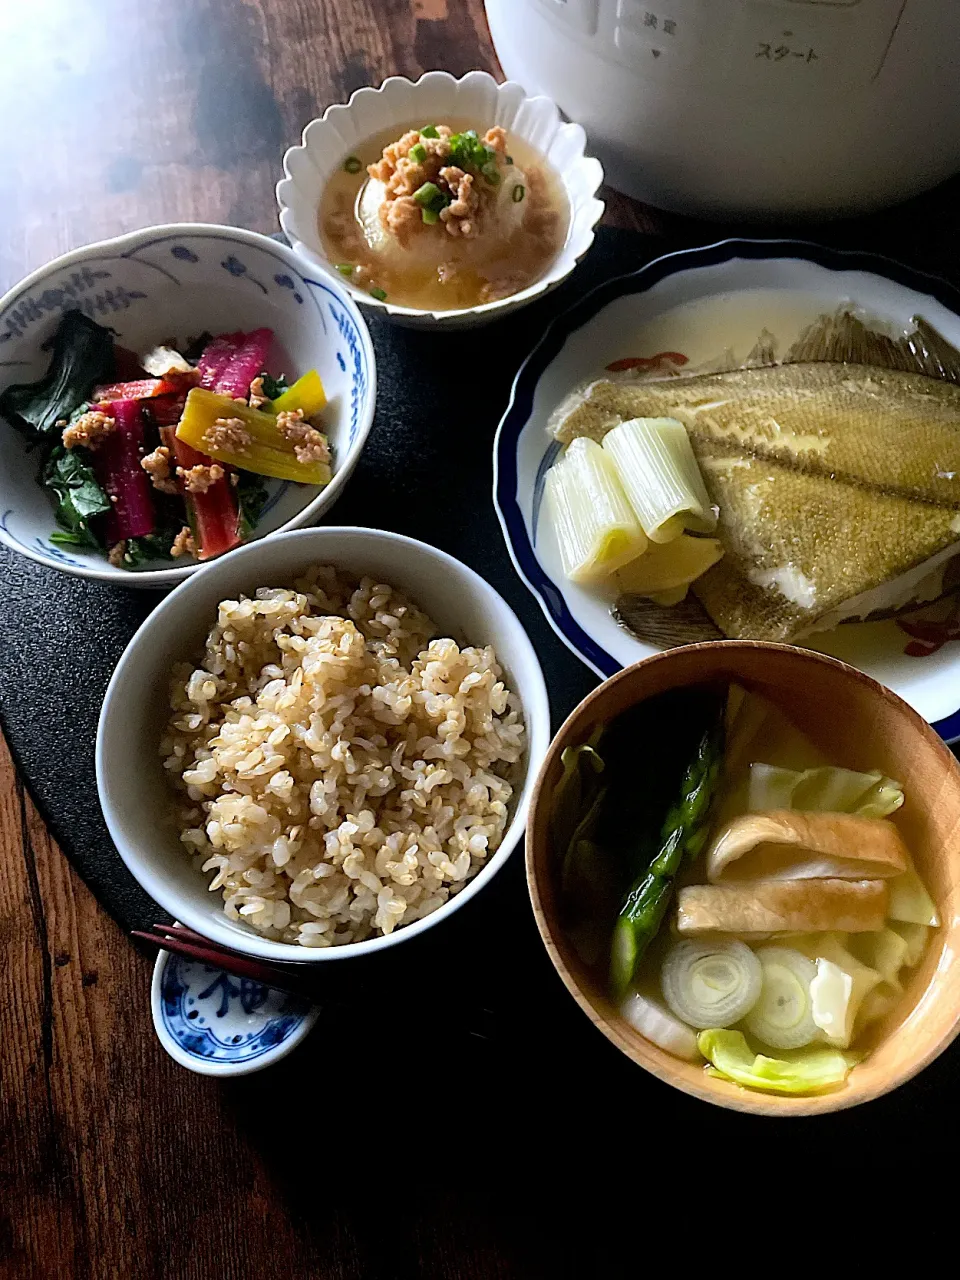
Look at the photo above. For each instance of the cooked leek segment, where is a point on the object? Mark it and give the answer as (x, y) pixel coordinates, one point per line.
(597, 532)
(658, 1025)
(783, 1015)
(665, 570)
(710, 984)
(659, 472)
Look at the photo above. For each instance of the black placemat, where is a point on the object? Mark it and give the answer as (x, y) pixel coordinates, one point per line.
(478, 994)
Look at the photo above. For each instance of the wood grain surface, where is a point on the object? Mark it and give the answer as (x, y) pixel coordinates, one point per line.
(114, 1162)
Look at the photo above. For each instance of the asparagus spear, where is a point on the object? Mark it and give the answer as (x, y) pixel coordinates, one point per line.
(683, 834)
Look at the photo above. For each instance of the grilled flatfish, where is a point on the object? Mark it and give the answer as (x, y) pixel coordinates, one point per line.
(836, 471)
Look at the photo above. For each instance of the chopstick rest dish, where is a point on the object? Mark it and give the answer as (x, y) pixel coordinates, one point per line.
(218, 1024)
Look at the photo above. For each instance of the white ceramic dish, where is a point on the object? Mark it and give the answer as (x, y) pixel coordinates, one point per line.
(699, 302)
(180, 280)
(135, 797)
(218, 1025)
(437, 96)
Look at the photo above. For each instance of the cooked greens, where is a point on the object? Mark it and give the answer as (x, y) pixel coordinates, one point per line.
(251, 494)
(82, 357)
(683, 835)
(69, 474)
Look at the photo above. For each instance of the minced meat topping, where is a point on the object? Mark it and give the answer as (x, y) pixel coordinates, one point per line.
(228, 435)
(309, 444)
(157, 467)
(90, 430)
(198, 479)
(402, 175)
(183, 544)
(257, 398)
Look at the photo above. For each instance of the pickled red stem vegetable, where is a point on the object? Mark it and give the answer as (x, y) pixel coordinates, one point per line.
(247, 361)
(117, 467)
(139, 389)
(214, 515)
(683, 834)
(216, 356)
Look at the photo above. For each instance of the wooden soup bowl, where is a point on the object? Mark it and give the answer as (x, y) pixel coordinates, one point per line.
(858, 724)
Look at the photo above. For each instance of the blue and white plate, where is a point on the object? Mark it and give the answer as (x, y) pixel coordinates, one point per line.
(219, 1025)
(700, 302)
(178, 281)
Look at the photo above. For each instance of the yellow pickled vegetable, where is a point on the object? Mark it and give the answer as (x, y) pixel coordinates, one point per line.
(233, 433)
(307, 393)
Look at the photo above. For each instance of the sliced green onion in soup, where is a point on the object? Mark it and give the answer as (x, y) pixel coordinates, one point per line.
(429, 131)
(428, 194)
(378, 293)
(783, 1016)
(519, 191)
(418, 153)
(346, 268)
(710, 984)
(353, 164)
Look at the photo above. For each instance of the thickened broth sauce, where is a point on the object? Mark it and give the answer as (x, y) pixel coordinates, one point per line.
(443, 217)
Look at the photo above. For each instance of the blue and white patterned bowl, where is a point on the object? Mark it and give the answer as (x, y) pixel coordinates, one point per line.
(698, 302)
(219, 1025)
(177, 281)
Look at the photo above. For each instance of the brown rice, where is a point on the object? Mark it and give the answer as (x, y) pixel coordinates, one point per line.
(340, 772)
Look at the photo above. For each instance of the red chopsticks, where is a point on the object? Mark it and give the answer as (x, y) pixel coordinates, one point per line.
(185, 942)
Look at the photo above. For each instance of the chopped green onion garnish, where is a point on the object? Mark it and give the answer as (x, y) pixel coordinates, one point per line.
(519, 191)
(430, 216)
(492, 174)
(353, 164)
(508, 159)
(428, 194)
(429, 131)
(379, 294)
(346, 268)
(418, 153)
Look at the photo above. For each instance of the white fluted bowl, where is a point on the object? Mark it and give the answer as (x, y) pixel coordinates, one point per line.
(437, 95)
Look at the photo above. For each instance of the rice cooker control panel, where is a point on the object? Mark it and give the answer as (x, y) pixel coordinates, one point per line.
(779, 46)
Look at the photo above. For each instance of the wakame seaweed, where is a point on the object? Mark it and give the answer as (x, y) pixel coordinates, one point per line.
(83, 356)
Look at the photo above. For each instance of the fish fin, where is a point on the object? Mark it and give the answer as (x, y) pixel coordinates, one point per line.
(843, 338)
(933, 353)
(667, 626)
(764, 352)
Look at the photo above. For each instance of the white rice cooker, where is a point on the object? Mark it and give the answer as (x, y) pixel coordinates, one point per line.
(749, 107)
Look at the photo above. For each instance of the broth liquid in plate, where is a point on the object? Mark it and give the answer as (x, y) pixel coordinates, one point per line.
(438, 271)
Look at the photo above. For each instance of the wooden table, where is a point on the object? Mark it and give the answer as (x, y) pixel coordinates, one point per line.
(115, 1162)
